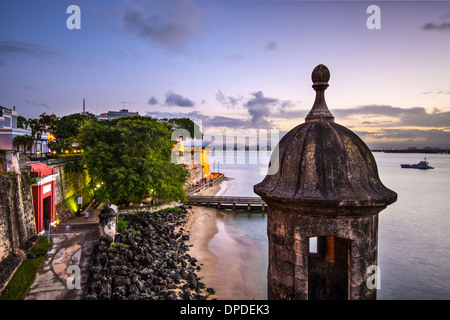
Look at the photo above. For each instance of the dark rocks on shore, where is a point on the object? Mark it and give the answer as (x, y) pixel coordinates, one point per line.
(148, 261)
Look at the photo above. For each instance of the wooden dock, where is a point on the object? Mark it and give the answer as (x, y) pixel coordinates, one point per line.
(228, 202)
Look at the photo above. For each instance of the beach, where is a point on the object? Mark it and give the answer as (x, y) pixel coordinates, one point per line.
(225, 255)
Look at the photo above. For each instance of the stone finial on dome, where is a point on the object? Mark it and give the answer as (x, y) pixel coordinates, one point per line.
(319, 111)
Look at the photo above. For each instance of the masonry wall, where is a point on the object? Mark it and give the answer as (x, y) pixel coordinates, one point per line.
(17, 222)
(68, 187)
(289, 230)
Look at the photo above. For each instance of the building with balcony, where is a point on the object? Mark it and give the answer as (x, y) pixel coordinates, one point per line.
(9, 131)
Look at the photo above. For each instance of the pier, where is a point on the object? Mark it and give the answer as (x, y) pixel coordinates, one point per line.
(228, 202)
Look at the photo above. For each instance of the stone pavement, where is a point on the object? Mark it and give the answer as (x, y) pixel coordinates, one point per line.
(73, 242)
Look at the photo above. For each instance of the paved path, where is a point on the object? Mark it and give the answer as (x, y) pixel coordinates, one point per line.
(71, 246)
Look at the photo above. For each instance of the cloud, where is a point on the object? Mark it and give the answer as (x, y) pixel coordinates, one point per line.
(227, 101)
(152, 101)
(170, 23)
(402, 138)
(16, 50)
(206, 121)
(415, 116)
(437, 92)
(36, 104)
(259, 108)
(176, 100)
(431, 26)
(271, 45)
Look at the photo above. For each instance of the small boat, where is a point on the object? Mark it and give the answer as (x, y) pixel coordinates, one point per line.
(421, 165)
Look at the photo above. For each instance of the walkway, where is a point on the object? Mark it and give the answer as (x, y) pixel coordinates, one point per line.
(73, 243)
(222, 201)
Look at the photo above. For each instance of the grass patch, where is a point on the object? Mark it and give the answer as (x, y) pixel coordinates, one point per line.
(22, 279)
(122, 224)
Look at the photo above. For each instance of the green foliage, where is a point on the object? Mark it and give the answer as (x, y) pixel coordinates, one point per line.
(122, 224)
(183, 123)
(26, 141)
(76, 184)
(23, 277)
(132, 157)
(172, 209)
(75, 166)
(40, 247)
(2, 157)
(69, 126)
(61, 145)
(22, 122)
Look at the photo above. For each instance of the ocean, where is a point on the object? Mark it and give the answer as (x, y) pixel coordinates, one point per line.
(413, 234)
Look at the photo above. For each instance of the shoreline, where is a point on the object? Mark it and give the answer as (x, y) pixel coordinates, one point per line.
(201, 227)
(226, 256)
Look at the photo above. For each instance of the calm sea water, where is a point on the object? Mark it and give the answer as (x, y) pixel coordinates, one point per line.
(413, 243)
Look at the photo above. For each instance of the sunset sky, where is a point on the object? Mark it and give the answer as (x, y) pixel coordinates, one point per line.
(235, 64)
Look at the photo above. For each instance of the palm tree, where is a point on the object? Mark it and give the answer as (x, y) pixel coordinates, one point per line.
(20, 141)
(48, 122)
(28, 142)
(37, 128)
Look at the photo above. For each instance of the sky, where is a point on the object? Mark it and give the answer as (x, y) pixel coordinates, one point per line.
(235, 64)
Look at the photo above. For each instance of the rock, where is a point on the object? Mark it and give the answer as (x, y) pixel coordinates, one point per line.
(147, 261)
(91, 296)
(105, 292)
(107, 239)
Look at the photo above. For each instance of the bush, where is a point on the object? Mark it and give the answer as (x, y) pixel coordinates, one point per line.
(122, 224)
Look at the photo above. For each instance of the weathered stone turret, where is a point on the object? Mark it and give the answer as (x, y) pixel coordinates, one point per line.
(326, 189)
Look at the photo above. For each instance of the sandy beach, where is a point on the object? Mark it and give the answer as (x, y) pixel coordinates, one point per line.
(226, 257)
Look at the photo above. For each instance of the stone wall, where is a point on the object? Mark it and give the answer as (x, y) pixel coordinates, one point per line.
(68, 187)
(17, 222)
(290, 263)
(195, 169)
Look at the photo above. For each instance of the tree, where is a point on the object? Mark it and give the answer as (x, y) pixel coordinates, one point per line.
(128, 160)
(69, 126)
(26, 141)
(183, 123)
(48, 123)
(22, 122)
(66, 129)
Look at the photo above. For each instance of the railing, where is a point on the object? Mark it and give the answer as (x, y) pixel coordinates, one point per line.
(26, 161)
(210, 182)
(223, 201)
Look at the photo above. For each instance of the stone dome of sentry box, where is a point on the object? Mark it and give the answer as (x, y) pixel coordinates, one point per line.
(323, 163)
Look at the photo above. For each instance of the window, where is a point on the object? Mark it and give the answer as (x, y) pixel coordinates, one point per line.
(313, 245)
(330, 249)
(7, 122)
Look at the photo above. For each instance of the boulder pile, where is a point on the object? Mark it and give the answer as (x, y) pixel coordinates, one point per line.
(147, 261)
